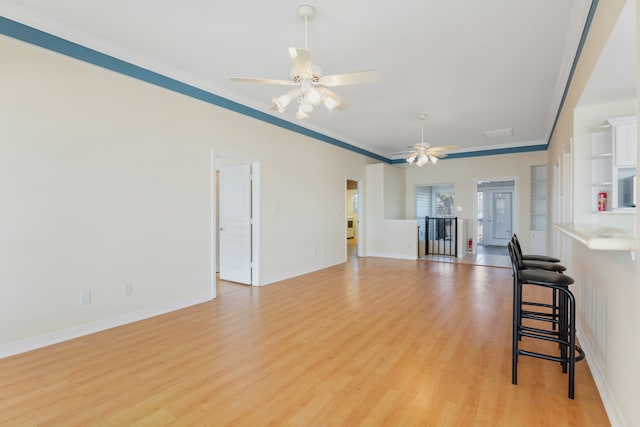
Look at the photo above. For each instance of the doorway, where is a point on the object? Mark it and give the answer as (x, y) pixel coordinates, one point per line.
(495, 214)
(499, 225)
(237, 208)
(352, 221)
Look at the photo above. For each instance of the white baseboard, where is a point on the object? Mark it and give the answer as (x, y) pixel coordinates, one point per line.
(599, 377)
(411, 257)
(34, 343)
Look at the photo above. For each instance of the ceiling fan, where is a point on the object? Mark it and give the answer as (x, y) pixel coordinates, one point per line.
(311, 85)
(424, 153)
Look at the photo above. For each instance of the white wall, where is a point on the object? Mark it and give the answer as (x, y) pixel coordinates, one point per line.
(607, 284)
(392, 238)
(462, 173)
(107, 181)
(394, 193)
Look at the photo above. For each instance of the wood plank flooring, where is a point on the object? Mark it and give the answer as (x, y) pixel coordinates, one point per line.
(373, 342)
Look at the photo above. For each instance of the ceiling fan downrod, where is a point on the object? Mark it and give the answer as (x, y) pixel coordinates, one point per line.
(422, 118)
(306, 11)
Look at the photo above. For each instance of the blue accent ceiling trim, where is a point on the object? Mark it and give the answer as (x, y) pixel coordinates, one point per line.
(40, 38)
(583, 38)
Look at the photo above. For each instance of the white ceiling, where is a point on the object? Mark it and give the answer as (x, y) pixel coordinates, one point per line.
(614, 77)
(471, 65)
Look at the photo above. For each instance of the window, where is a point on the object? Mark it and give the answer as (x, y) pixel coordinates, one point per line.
(444, 204)
(435, 200)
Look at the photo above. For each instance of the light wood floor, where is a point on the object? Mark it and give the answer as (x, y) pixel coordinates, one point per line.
(370, 342)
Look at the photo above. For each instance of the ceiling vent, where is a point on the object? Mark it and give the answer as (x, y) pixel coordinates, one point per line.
(498, 133)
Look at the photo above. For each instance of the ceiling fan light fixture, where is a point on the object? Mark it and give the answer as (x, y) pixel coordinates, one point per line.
(423, 153)
(301, 114)
(306, 108)
(331, 103)
(311, 84)
(281, 102)
(313, 96)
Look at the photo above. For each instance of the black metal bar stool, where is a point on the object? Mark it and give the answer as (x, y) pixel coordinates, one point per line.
(539, 262)
(531, 257)
(564, 332)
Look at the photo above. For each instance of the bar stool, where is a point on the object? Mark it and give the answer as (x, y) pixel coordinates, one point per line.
(539, 262)
(564, 335)
(531, 257)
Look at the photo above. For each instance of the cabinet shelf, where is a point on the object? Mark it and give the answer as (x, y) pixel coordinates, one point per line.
(613, 158)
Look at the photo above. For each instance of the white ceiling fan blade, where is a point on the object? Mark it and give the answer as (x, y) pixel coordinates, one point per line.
(437, 154)
(301, 59)
(345, 79)
(259, 80)
(401, 153)
(444, 148)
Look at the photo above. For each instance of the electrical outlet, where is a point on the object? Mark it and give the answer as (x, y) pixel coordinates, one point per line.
(127, 290)
(85, 297)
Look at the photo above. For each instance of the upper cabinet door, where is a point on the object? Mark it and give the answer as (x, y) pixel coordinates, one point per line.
(626, 144)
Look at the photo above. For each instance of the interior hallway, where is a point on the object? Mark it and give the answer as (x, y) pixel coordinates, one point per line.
(352, 248)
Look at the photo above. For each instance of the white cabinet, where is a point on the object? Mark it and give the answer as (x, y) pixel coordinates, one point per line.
(626, 146)
(538, 237)
(613, 159)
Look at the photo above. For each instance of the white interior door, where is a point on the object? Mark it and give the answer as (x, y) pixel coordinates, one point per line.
(500, 221)
(235, 223)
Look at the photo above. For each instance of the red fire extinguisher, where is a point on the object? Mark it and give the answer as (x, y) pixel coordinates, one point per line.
(602, 201)
(470, 245)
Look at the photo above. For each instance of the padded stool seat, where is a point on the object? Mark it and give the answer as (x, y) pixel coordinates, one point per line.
(542, 265)
(545, 278)
(544, 258)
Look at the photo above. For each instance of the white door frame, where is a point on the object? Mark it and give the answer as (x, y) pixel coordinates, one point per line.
(214, 226)
(516, 203)
(218, 161)
(360, 223)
